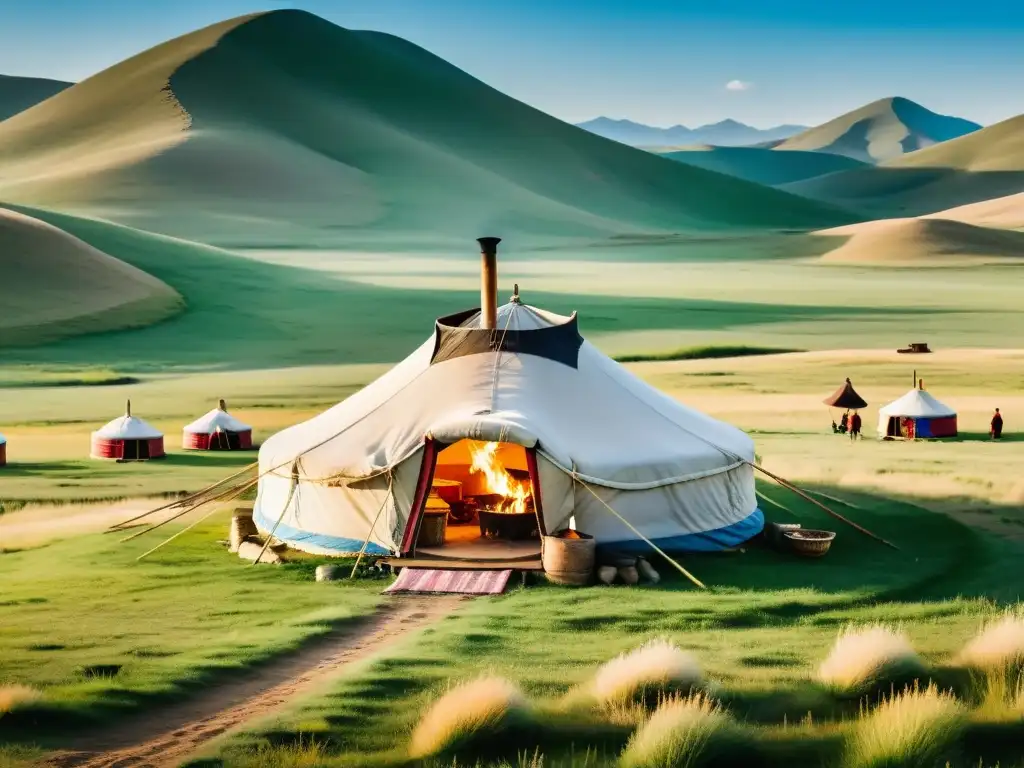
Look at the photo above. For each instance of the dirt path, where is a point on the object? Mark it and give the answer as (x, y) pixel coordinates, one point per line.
(167, 736)
(39, 524)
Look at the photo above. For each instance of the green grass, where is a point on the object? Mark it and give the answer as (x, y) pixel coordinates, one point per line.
(99, 634)
(759, 635)
(703, 353)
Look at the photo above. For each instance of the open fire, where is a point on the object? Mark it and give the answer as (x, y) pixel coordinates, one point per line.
(516, 495)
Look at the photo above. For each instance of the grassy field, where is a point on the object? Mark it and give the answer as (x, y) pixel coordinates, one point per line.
(759, 635)
(96, 634)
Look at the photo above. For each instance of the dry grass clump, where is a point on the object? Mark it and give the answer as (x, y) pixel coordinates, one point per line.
(869, 658)
(482, 708)
(913, 728)
(687, 733)
(12, 696)
(998, 645)
(646, 674)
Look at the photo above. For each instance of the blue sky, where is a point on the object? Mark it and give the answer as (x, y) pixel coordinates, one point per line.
(654, 61)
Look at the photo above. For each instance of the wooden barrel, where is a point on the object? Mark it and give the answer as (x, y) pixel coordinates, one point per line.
(242, 527)
(568, 561)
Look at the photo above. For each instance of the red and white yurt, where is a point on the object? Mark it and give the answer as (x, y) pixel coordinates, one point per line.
(127, 438)
(3, 450)
(217, 430)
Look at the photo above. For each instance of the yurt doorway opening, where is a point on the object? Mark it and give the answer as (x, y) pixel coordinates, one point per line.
(482, 504)
(225, 441)
(134, 450)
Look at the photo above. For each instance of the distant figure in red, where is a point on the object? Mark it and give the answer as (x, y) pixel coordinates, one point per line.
(997, 426)
(855, 426)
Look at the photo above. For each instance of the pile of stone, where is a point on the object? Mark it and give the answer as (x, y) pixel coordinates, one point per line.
(626, 569)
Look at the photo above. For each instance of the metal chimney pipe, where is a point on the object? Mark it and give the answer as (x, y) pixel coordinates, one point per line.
(488, 281)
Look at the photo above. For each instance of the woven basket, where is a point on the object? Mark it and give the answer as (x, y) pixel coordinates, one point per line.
(810, 543)
(568, 561)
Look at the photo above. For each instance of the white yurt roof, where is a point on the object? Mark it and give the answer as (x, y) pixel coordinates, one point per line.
(596, 418)
(217, 420)
(917, 404)
(128, 427)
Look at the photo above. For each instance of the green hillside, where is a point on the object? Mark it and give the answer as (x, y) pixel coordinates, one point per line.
(285, 128)
(761, 164)
(54, 285)
(981, 166)
(880, 131)
(19, 93)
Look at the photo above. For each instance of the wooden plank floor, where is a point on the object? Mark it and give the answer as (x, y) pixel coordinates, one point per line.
(462, 565)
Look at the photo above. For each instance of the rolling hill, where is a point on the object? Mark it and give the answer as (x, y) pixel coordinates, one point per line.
(923, 242)
(880, 131)
(284, 128)
(19, 93)
(55, 285)
(982, 165)
(762, 165)
(727, 133)
(1001, 213)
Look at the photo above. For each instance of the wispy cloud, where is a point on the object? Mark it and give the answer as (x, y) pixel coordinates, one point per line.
(738, 85)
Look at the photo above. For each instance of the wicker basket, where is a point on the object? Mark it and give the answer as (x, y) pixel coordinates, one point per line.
(568, 561)
(810, 543)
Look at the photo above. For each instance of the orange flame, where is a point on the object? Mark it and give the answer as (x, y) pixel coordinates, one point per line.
(498, 480)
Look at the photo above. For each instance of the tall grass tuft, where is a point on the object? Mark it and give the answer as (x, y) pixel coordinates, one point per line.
(689, 732)
(998, 645)
(914, 729)
(645, 675)
(869, 659)
(13, 696)
(304, 753)
(482, 710)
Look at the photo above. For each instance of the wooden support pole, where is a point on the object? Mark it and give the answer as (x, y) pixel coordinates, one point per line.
(786, 484)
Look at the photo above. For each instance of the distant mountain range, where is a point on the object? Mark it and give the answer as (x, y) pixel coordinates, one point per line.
(880, 131)
(727, 133)
(19, 93)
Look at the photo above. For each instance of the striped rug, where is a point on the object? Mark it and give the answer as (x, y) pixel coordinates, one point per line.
(451, 582)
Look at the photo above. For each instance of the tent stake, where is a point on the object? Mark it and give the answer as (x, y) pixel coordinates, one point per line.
(786, 484)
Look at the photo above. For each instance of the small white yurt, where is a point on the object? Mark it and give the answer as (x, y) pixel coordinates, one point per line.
(127, 438)
(576, 433)
(3, 451)
(217, 430)
(916, 415)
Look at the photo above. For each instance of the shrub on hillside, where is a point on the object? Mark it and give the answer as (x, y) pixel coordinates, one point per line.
(913, 728)
(477, 711)
(869, 659)
(13, 696)
(646, 674)
(688, 732)
(998, 645)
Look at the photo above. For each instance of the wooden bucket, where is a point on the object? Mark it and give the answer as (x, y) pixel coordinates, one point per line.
(242, 527)
(432, 528)
(569, 561)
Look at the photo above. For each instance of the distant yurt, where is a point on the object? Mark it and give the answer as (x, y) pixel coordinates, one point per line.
(510, 412)
(846, 397)
(127, 438)
(916, 415)
(3, 450)
(217, 430)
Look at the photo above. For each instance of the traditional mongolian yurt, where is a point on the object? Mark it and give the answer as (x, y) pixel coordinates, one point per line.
(916, 415)
(511, 410)
(127, 438)
(3, 450)
(217, 430)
